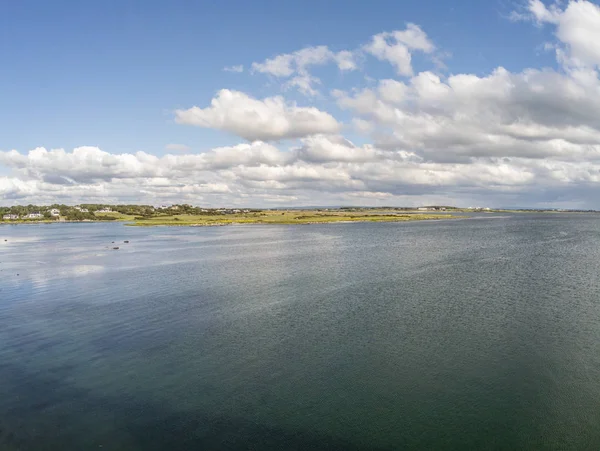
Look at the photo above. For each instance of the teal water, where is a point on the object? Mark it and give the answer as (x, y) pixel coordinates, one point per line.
(481, 333)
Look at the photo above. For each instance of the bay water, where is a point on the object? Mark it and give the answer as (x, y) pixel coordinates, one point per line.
(477, 333)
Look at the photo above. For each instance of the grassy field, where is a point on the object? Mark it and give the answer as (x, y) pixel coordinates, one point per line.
(287, 217)
(27, 221)
(114, 214)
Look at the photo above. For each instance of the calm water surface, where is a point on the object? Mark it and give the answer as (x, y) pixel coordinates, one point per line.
(471, 334)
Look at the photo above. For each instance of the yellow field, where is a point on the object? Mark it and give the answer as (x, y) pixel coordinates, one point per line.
(289, 217)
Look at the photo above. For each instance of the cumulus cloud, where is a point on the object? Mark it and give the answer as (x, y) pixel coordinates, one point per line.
(286, 64)
(577, 29)
(345, 60)
(299, 62)
(304, 83)
(394, 47)
(252, 119)
(532, 114)
(324, 168)
(321, 149)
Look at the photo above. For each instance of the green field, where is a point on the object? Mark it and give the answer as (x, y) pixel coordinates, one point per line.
(114, 214)
(287, 217)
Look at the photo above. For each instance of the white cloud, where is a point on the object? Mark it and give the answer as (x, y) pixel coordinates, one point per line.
(414, 38)
(531, 114)
(237, 69)
(362, 126)
(286, 64)
(321, 149)
(346, 60)
(304, 84)
(252, 119)
(395, 53)
(541, 13)
(395, 47)
(368, 195)
(312, 56)
(326, 167)
(297, 64)
(392, 91)
(279, 66)
(577, 28)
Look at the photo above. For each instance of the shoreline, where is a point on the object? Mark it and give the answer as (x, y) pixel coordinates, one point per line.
(294, 217)
(86, 221)
(133, 223)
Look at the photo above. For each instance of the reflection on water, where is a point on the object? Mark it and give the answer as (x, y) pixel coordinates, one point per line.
(439, 335)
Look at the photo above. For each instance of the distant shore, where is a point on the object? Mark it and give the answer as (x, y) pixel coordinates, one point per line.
(50, 221)
(207, 218)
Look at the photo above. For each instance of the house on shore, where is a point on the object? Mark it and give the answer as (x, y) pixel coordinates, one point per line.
(55, 212)
(36, 215)
(10, 217)
(83, 210)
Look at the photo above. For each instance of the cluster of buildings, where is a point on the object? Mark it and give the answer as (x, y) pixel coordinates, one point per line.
(36, 215)
(227, 211)
(54, 212)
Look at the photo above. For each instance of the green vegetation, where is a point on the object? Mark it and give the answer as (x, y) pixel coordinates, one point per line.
(285, 217)
(51, 213)
(114, 216)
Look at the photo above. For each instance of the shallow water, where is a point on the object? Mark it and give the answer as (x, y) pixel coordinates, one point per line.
(470, 334)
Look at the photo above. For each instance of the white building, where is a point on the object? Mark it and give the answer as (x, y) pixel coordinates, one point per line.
(36, 215)
(104, 210)
(55, 212)
(83, 210)
(10, 217)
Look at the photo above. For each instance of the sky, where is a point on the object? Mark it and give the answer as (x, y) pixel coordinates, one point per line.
(274, 104)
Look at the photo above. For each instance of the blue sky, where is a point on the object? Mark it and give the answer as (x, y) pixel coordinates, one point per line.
(111, 75)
